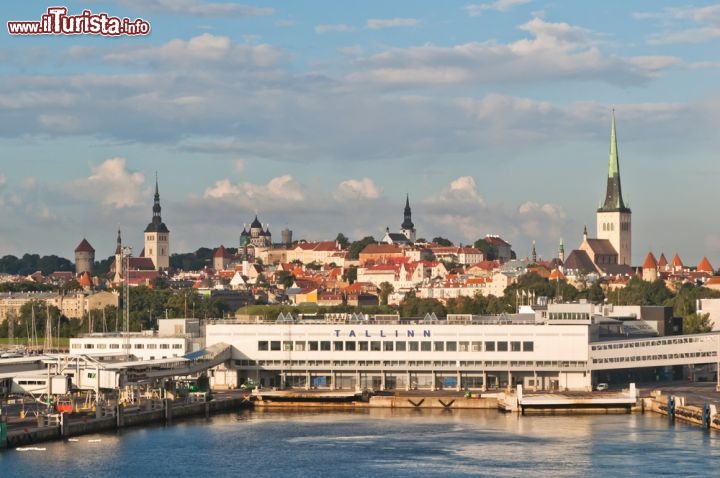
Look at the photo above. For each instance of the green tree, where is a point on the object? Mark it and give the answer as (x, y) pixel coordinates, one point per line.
(350, 274)
(386, 289)
(696, 323)
(490, 252)
(342, 240)
(284, 278)
(442, 241)
(357, 246)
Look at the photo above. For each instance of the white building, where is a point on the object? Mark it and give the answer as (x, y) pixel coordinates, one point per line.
(399, 354)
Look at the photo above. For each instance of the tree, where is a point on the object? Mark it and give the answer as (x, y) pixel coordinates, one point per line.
(350, 274)
(489, 251)
(342, 240)
(284, 278)
(386, 289)
(442, 241)
(696, 323)
(357, 246)
(261, 281)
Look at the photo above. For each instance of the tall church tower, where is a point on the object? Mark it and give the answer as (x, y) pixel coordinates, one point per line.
(407, 228)
(157, 237)
(613, 217)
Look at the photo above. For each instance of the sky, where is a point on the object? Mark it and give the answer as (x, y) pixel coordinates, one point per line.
(320, 116)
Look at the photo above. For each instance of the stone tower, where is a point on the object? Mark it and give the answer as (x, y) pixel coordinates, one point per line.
(613, 217)
(157, 237)
(84, 257)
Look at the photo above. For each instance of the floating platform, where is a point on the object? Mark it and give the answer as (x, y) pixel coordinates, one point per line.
(308, 396)
(569, 402)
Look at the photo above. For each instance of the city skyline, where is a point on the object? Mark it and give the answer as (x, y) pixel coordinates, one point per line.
(493, 116)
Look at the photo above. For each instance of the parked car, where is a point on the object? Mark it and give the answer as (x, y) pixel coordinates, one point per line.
(601, 387)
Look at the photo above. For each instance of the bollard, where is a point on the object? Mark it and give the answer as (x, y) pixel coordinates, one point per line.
(706, 416)
(671, 407)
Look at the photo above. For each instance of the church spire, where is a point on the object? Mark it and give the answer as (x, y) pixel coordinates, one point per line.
(156, 225)
(613, 195)
(407, 222)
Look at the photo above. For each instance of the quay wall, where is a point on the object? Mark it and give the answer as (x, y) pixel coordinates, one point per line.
(71, 425)
(674, 407)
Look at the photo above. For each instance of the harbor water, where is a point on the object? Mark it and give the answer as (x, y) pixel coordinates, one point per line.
(394, 443)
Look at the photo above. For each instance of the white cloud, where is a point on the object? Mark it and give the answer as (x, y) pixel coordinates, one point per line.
(202, 49)
(684, 24)
(197, 8)
(337, 28)
(283, 188)
(113, 183)
(364, 188)
(461, 190)
(553, 51)
(379, 23)
(497, 6)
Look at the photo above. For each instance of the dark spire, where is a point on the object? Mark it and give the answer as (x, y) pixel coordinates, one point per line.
(156, 225)
(613, 196)
(407, 222)
(118, 249)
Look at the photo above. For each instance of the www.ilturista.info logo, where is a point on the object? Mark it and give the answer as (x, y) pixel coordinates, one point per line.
(57, 22)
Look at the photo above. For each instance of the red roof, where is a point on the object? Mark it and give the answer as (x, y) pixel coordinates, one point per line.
(676, 262)
(556, 274)
(220, 252)
(705, 266)
(650, 262)
(662, 262)
(84, 246)
(84, 280)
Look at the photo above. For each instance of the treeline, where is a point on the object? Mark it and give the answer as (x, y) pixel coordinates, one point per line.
(146, 307)
(29, 263)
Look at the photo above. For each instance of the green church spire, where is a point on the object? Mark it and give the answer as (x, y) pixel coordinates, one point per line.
(613, 196)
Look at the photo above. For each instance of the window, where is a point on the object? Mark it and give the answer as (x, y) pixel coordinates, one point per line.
(401, 346)
(490, 346)
(104, 346)
(263, 345)
(350, 346)
(177, 346)
(114, 346)
(528, 346)
(439, 346)
(325, 345)
(388, 346)
(152, 346)
(313, 346)
(502, 346)
(275, 345)
(89, 346)
(477, 346)
(515, 346)
(338, 345)
(413, 346)
(464, 346)
(287, 346)
(425, 346)
(375, 346)
(451, 346)
(363, 346)
(139, 346)
(75, 346)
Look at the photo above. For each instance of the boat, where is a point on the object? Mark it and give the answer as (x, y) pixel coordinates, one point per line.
(64, 405)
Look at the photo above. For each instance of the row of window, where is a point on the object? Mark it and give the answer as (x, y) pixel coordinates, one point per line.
(640, 358)
(569, 316)
(127, 346)
(395, 346)
(538, 364)
(652, 342)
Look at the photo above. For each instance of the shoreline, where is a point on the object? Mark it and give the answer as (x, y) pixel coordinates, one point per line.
(22, 433)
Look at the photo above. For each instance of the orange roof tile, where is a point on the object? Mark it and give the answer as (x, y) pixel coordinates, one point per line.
(662, 262)
(676, 262)
(705, 265)
(650, 262)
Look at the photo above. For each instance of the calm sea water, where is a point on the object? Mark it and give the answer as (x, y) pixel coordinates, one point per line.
(391, 443)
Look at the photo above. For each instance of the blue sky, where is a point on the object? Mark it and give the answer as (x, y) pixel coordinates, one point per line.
(320, 116)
